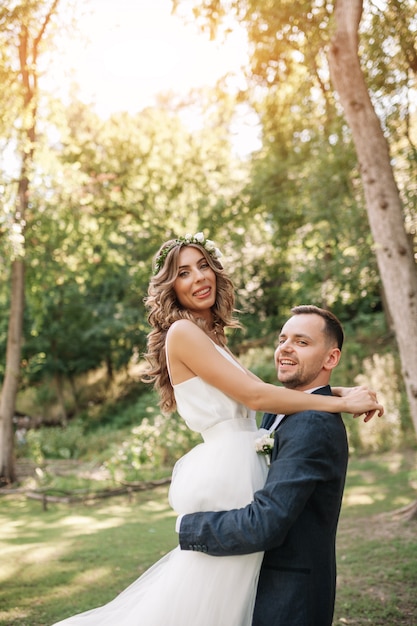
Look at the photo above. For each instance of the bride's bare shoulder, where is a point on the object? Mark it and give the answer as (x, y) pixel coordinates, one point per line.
(183, 330)
(181, 326)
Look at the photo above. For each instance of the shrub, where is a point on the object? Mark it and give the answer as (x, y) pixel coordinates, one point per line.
(154, 443)
(54, 443)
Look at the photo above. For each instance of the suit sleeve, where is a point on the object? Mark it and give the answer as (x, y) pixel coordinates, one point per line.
(306, 456)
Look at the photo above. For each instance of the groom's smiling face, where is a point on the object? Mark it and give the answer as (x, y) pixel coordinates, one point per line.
(305, 356)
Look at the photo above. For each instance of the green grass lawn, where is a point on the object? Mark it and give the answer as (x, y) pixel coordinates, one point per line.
(72, 557)
(377, 549)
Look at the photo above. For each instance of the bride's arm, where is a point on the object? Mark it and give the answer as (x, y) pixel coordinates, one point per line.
(189, 346)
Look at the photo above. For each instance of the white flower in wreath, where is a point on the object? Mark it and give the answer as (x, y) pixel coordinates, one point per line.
(199, 237)
(211, 247)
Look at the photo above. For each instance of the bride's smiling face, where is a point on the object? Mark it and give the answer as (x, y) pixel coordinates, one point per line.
(195, 285)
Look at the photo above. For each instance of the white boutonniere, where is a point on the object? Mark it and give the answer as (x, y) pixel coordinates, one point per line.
(264, 445)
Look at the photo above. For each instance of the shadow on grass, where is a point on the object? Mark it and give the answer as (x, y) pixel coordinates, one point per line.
(71, 558)
(380, 483)
(376, 549)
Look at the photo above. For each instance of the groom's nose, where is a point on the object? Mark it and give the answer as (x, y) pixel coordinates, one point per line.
(285, 346)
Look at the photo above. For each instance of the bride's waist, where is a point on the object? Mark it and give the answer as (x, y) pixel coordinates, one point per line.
(238, 424)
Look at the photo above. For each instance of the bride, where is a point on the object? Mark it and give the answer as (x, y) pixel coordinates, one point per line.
(191, 302)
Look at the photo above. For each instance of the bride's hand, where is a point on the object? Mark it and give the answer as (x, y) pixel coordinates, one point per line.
(360, 400)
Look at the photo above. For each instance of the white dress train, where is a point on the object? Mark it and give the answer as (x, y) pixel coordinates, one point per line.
(187, 588)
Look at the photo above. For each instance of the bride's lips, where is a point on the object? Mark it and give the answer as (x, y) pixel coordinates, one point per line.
(202, 293)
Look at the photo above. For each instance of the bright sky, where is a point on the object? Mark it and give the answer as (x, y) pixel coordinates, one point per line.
(138, 49)
(131, 50)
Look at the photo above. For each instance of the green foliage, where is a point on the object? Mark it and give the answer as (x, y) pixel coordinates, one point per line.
(290, 220)
(152, 444)
(134, 403)
(115, 193)
(94, 433)
(128, 434)
(305, 181)
(55, 443)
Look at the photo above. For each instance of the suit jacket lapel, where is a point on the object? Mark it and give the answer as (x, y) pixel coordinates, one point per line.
(269, 418)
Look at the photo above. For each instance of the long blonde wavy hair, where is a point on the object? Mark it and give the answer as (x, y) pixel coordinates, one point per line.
(164, 310)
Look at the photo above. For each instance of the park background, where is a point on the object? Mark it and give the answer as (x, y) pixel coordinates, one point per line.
(122, 125)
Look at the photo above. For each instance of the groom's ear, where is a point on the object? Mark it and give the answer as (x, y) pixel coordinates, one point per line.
(332, 359)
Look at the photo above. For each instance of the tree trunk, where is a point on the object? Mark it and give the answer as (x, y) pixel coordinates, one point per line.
(11, 379)
(74, 390)
(59, 386)
(27, 55)
(394, 252)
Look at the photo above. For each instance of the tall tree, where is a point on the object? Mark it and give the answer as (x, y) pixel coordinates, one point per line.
(26, 27)
(393, 247)
(282, 38)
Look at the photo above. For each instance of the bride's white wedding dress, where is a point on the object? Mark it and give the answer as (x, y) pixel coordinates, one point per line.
(187, 588)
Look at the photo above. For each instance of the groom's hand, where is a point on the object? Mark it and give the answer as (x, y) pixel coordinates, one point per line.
(345, 391)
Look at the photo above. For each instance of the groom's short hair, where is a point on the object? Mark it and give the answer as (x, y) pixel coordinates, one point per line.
(333, 328)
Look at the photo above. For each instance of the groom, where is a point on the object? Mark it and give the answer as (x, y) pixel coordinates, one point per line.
(294, 517)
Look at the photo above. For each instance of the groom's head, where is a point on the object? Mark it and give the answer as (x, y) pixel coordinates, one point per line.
(309, 347)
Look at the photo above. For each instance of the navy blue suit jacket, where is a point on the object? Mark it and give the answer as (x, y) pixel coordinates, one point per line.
(293, 519)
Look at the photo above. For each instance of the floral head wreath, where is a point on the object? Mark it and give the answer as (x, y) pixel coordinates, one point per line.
(198, 238)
